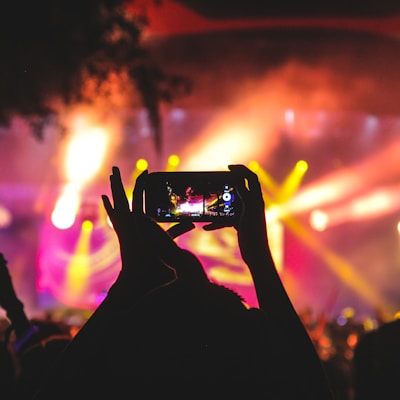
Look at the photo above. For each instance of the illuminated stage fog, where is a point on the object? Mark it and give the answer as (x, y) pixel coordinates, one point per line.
(333, 217)
(333, 228)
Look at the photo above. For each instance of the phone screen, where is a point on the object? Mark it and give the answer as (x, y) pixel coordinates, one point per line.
(198, 196)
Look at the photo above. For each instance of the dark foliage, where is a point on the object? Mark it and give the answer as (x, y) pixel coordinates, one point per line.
(49, 48)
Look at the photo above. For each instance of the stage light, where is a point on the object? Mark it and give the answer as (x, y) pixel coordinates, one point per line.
(289, 116)
(348, 312)
(254, 166)
(319, 220)
(266, 181)
(292, 182)
(339, 266)
(85, 153)
(87, 225)
(5, 217)
(173, 162)
(62, 219)
(141, 164)
(301, 166)
(79, 268)
(65, 210)
(370, 324)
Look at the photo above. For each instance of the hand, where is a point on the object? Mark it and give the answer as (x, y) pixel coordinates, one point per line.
(122, 217)
(8, 298)
(142, 241)
(251, 226)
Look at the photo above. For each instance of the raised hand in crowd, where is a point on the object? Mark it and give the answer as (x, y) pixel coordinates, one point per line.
(32, 345)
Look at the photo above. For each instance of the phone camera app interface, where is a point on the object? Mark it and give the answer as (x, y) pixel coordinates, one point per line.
(198, 201)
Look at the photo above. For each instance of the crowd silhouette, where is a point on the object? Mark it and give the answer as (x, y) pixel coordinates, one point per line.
(29, 346)
(164, 328)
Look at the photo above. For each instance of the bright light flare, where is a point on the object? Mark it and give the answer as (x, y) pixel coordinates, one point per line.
(372, 205)
(319, 220)
(5, 217)
(220, 150)
(225, 142)
(85, 154)
(66, 209)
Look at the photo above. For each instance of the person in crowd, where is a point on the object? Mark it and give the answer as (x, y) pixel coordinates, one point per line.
(165, 328)
(7, 368)
(30, 346)
(376, 363)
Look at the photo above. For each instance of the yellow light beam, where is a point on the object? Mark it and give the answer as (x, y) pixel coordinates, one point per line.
(172, 163)
(265, 179)
(292, 182)
(78, 269)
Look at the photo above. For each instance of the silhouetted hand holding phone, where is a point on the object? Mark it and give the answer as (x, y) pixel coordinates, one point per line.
(147, 251)
(165, 324)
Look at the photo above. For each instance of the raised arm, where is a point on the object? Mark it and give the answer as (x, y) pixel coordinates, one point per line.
(10, 302)
(301, 358)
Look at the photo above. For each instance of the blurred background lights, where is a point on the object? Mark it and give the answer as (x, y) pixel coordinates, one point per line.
(289, 116)
(178, 115)
(319, 220)
(349, 312)
(85, 154)
(141, 164)
(273, 213)
(65, 210)
(173, 160)
(87, 225)
(5, 217)
(254, 166)
(301, 166)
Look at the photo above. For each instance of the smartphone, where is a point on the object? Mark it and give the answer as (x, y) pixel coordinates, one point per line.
(201, 196)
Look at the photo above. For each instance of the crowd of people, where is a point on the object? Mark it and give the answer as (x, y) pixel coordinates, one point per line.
(165, 329)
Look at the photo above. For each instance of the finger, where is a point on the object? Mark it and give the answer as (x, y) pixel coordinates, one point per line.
(240, 173)
(118, 191)
(215, 225)
(107, 205)
(137, 197)
(253, 187)
(246, 173)
(180, 228)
